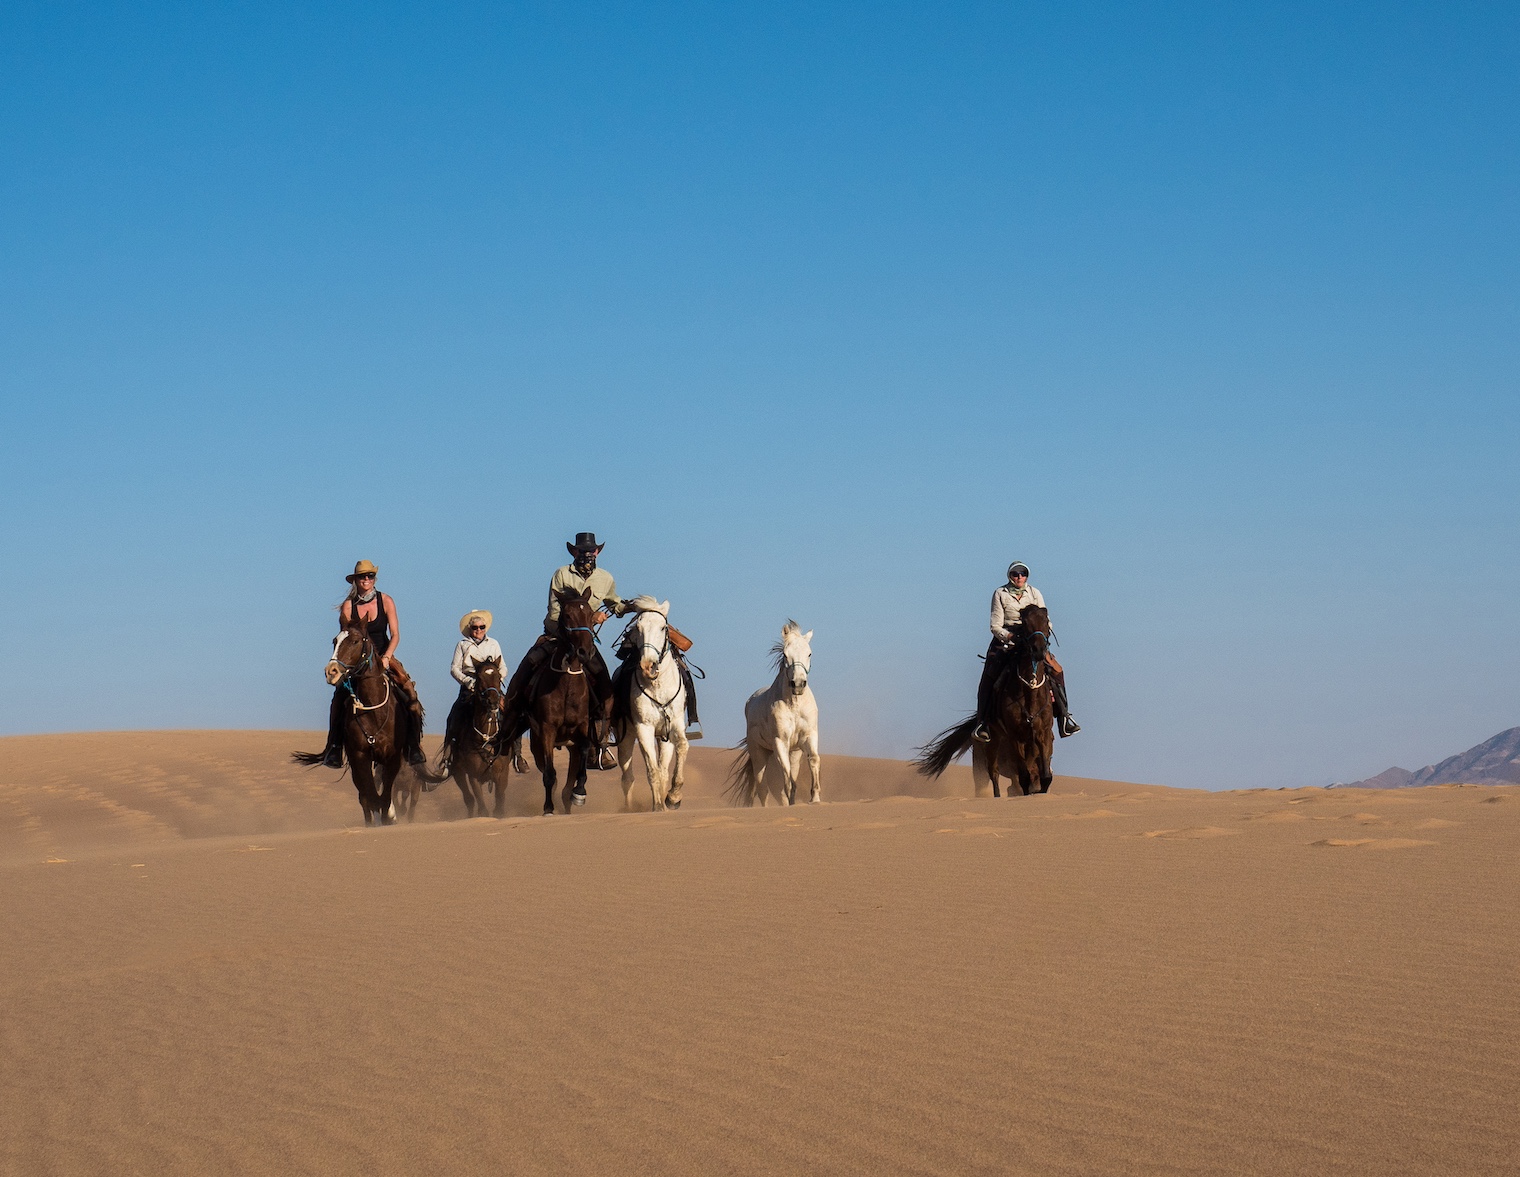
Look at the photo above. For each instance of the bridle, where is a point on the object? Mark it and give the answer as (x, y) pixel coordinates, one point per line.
(573, 652)
(659, 657)
(359, 668)
(1036, 661)
(789, 667)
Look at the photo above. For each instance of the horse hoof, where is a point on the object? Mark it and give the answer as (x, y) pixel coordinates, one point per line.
(578, 798)
(673, 804)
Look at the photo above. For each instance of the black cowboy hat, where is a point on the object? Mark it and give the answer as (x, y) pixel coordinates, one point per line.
(585, 541)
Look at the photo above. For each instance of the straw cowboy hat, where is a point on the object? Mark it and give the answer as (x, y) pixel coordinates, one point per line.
(585, 541)
(464, 622)
(360, 569)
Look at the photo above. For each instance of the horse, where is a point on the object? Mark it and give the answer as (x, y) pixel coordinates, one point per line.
(374, 732)
(1020, 733)
(559, 701)
(477, 764)
(780, 726)
(651, 708)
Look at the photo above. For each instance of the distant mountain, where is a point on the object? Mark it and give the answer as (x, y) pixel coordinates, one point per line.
(1493, 762)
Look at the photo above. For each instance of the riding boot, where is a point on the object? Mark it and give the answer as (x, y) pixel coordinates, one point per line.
(408, 690)
(693, 724)
(332, 755)
(514, 699)
(1065, 724)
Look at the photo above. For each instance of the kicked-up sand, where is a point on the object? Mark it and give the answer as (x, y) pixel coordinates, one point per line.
(209, 966)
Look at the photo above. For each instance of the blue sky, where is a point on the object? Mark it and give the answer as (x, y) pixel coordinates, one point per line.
(1207, 312)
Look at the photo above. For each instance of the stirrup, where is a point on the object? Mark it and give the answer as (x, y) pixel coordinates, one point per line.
(332, 757)
(694, 730)
(1069, 726)
(980, 734)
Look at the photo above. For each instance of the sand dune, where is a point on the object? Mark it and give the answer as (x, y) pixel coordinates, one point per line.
(224, 974)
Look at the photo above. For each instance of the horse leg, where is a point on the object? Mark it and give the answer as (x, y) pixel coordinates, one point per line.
(680, 745)
(627, 742)
(649, 746)
(500, 777)
(363, 774)
(387, 807)
(796, 766)
(814, 760)
(783, 759)
(543, 757)
(575, 770)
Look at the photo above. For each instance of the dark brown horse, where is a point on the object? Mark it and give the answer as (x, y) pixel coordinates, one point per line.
(376, 726)
(1020, 732)
(478, 764)
(558, 701)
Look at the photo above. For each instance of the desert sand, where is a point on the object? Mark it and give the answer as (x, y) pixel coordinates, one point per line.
(210, 966)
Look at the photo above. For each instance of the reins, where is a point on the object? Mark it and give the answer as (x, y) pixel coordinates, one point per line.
(360, 668)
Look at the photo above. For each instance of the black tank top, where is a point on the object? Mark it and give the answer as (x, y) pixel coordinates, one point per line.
(379, 629)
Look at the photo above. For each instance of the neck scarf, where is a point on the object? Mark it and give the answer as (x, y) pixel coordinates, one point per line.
(366, 598)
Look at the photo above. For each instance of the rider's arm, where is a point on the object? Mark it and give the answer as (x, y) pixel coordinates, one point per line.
(457, 668)
(996, 621)
(345, 611)
(556, 582)
(611, 603)
(390, 613)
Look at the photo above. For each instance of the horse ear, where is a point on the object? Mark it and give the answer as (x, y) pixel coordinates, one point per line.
(586, 595)
(807, 637)
(665, 609)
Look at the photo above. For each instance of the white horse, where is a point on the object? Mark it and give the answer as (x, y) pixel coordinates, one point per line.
(657, 709)
(780, 725)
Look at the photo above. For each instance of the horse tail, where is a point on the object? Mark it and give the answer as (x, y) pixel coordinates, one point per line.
(431, 778)
(935, 756)
(309, 759)
(743, 786)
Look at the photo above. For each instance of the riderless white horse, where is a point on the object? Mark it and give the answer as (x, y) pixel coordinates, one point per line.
(781, 726)
(656, 722)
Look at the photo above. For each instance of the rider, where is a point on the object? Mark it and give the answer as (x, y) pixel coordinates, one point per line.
(579, 575)
(1007, 601)
(377, 612)
(473, 647)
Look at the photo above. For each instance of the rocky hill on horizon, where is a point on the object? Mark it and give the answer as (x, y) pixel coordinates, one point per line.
(1496, 761)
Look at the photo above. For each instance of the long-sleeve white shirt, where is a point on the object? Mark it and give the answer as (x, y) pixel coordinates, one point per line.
(467, 653)
(1006, 605)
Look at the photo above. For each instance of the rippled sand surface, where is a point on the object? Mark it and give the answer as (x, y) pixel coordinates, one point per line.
(209, 966)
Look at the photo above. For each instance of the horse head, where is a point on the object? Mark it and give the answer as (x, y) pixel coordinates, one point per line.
(351, 652)
(651, 629)
(794, 657)
(488, 675)
(1035, 623)
(575, 623)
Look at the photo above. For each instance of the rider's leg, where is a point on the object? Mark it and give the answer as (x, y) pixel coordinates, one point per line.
(599, 686)
(408, 689)
(693, 724)
(332, 756)
(991, 668)
(537, 655)
(452, 725)
(1065, 724)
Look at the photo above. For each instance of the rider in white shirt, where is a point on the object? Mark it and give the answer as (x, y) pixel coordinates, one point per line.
(1007, 602)
(473, 647)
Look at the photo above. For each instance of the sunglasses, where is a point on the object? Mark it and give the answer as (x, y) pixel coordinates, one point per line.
(1019, 575)
(478, 627)
(364, 576)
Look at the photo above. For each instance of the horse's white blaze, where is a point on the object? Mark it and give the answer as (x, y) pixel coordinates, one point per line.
(781, 724)
(657, 727)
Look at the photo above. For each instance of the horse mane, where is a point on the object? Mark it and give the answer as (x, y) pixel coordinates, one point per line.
(778, 651)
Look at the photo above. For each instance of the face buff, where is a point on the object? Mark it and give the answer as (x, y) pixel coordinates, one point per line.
(366, 598)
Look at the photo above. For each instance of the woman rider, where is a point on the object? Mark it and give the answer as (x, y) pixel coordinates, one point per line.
(474, 647)
(377, 613)
(1007, 601)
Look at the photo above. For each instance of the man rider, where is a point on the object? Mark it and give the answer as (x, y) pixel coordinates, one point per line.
(377, 613)
(1007, 602)
(579, 575)
(474, 647)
